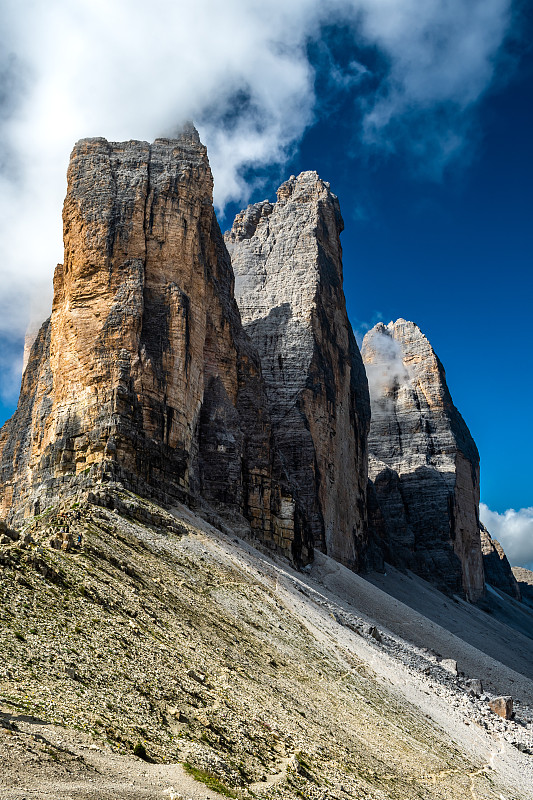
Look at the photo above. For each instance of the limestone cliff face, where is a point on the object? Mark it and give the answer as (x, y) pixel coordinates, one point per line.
(423, 462)
(144, 374)
(287, 261)
(498, 571)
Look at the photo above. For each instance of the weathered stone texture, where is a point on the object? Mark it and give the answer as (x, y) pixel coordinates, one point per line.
(144, 373)
(287, 260)
(498, 571)
(422, 461)
(524, 579)
(503, 706)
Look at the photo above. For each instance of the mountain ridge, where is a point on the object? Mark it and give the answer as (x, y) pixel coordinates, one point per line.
(184, 488)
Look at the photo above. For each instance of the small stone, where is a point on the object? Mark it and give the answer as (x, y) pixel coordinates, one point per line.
(474, 687)
(449, 664)
(502, 706)
(71, 672)
(372, 631)
(199, 677)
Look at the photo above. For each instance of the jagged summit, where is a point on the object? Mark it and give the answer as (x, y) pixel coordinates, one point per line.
(147, 624)
(150, 376)
(143, 374)
(287, 260)
(182, 136)
(423, 463)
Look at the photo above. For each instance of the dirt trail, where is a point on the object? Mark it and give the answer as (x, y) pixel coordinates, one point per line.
(62, 764)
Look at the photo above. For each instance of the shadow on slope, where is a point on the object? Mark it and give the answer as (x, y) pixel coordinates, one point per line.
(504, 631)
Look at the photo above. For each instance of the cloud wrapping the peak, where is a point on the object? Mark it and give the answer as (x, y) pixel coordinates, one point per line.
(243, 71)
(385, 368)
(514, 531)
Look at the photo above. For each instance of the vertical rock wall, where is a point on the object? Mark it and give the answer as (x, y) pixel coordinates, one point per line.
(144, 373)
(423, 463)
(287, 261)
(498, 571)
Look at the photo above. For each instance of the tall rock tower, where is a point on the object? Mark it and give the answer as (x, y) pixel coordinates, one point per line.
(287, 260)
(143, 374)
(423, 462)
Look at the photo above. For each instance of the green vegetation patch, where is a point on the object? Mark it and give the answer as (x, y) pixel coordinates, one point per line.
(139, 750)
(210, 780)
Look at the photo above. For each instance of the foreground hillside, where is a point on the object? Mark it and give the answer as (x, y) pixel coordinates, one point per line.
(236, 675)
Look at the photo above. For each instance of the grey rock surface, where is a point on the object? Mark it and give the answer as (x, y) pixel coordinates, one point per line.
(423, 462)
(498, 571)
(524, 578)
(287, 260)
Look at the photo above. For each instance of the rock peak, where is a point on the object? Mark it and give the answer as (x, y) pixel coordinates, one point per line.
(287, 261)
(143, 375)
(423, 462)
(307, 187)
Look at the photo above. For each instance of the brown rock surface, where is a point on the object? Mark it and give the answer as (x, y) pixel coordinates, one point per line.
(423, 462)
(144, 374)
(502, 706)
(287, 260)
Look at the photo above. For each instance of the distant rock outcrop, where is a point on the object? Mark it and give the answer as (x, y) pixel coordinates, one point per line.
(524, 578)
(423, 462)
(143, 374)
(498, 571)
(287, 260)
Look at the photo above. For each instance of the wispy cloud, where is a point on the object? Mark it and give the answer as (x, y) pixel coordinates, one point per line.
(514, 530)
(384, 365)
(242, 70)
(10, 370)
(442, 58)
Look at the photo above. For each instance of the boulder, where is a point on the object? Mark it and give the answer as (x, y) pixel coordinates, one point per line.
(474, 687)
(449, 664)
(502, 706)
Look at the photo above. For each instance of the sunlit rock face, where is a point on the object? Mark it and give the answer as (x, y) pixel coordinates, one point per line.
(287, 260)
(423, 462)
(144, 374)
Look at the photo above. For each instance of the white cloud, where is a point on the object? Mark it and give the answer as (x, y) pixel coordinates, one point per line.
(385, 369)
(514, 531)
(10, 370)
(241, 69)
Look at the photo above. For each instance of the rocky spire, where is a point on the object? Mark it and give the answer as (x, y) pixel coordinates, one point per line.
(144, 374)
(423, 462)
(287, 260)
(498, 571)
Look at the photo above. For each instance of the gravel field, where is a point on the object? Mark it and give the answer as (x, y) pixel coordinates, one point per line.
(240, 676)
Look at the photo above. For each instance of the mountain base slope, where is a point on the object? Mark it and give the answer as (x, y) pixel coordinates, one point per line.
(159, 630)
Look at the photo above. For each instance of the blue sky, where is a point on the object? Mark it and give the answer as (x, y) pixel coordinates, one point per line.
(419, 115)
